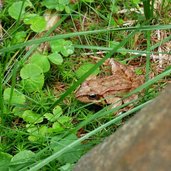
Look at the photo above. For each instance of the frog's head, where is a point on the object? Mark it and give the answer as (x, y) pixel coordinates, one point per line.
(86, 94)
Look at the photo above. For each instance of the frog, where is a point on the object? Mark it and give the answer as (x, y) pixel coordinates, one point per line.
(110, 89)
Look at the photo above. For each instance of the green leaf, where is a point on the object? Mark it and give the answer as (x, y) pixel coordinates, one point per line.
(17, 97)
(50, 117)
(59, 5)
(33, 78)
(17, 7)
(72, 155)
(62, 123)
(63, 46)
(30, 71)
(84, 68)
(38, 23)
(23, 156)
(21, 159)
(55, 58)
(33, 84)
(64, 2)
(136, 1)
(50, 4)
(5, 161)
(43, 130)
(33, 129)
(18, 111)
(65, 120)
(41, 61)
(32, 117)
(57, 110)
(19, 37)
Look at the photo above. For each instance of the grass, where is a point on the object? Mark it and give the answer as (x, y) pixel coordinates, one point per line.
(51, 127)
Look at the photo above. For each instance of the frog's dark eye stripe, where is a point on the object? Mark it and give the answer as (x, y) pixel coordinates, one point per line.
(94, 97)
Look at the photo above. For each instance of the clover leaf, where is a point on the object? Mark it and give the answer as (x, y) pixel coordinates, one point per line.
(18, 9)
(59, 5)
(17, 97)
(65, 47)
(55, 58)
(62, 123)
(57, 112)
(37, 23)
(32, 77)
(41, 61)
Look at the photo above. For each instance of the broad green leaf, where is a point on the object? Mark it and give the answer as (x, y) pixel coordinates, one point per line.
(136, 1)
(21, 159)
(33, 138)
(19, 37)
(23, 156)
(17, 97)
(72, 155)
(84, 68)
(38, 23)
(41, 61)
(33, 84)
(59, 5)
(55, 58)
(5, 161)
(67, 9)
(17, 7)
(18, 111)
(28, 18)
(64, 2)
(63, 46)
(33, 78)
(50, 4)
(30, 71)
(32, 117)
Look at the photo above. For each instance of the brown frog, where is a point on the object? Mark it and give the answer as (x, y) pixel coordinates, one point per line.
(110, 89)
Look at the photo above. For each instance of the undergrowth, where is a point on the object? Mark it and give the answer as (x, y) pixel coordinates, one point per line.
(48, 49)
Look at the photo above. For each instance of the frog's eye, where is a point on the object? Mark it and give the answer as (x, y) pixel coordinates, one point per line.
(93, 97)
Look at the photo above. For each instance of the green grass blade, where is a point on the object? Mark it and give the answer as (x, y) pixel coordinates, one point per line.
(69, 35)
